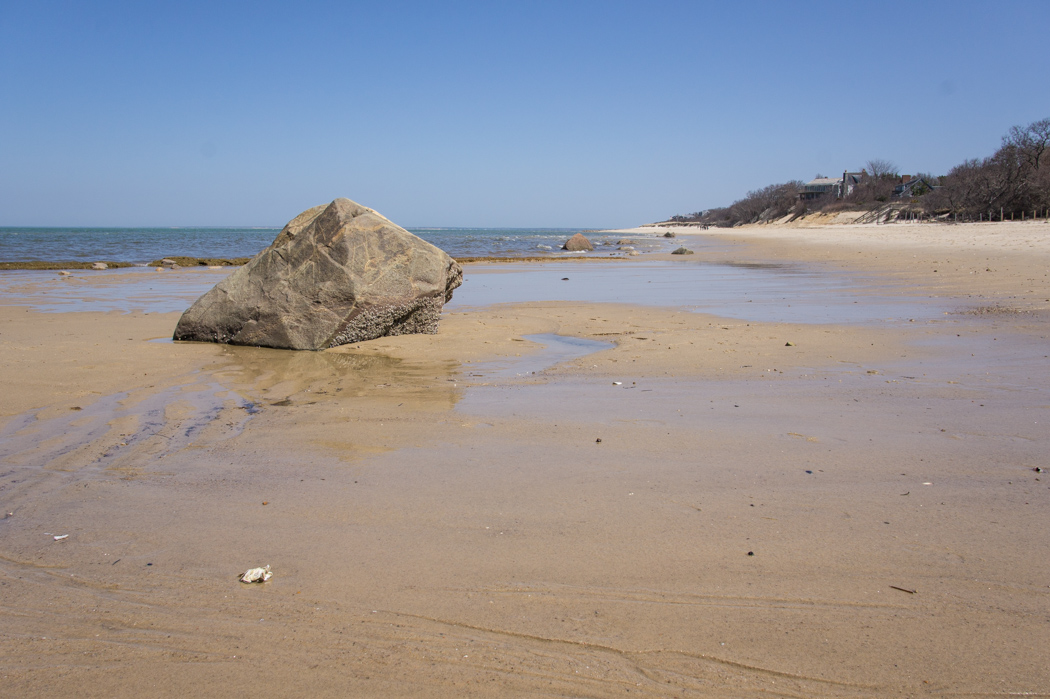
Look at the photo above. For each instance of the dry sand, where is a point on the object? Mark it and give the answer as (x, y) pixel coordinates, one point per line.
(851, 514)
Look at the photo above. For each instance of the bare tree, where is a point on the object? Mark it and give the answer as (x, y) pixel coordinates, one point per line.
(879, 168)
(1031, 141)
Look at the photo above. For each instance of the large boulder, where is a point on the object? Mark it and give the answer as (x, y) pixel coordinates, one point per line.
(577, 243)
(336, 274)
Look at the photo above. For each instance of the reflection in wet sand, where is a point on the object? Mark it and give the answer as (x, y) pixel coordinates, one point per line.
(268, 377)
(127, 431)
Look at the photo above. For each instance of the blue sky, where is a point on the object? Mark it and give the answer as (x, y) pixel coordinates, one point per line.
(518, 114)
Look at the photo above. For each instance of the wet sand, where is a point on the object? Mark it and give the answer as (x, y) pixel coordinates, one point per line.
(818, 509)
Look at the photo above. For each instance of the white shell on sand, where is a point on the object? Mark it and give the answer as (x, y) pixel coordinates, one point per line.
(257, 575)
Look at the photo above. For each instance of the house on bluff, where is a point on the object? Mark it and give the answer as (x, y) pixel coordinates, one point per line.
(837, 187)
(913, 187)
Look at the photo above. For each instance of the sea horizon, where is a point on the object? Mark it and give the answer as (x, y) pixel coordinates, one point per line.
(141, 245)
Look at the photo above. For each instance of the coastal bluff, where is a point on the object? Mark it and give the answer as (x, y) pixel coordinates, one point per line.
(336, 274)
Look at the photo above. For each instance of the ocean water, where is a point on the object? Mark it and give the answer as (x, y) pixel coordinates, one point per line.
(143, 245)
(137, 245)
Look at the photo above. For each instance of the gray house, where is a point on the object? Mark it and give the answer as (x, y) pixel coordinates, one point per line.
(833, 186)
(912, 186)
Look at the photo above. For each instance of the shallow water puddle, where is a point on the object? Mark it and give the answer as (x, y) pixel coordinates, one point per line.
(764, 293)
(555, 349)
(770, 293)
(123, 290)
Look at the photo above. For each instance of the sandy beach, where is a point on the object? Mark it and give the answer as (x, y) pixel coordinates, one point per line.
(710, 503)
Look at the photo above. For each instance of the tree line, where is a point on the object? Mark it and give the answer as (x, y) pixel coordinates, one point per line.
(1013, 183)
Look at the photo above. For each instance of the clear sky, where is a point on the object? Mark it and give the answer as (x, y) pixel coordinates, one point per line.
(517, 114)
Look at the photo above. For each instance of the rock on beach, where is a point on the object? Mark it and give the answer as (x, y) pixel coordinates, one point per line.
(336, 274)
(577, 243)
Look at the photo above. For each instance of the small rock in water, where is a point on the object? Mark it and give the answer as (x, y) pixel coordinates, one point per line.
(682, 251)
(669, 234)
(577, 243)
(256, 575)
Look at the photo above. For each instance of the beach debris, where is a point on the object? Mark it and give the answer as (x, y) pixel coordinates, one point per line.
(682, 251)
(336, 274)
(1038, 469)
(256, 575)
(598, 441)
(750, 553)
(60, 537)
(565, 279)
(617, 383)
(100, 265)
(577, 243)
(903, 589)
(64, 273)
(669, 234)
(789, 344)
